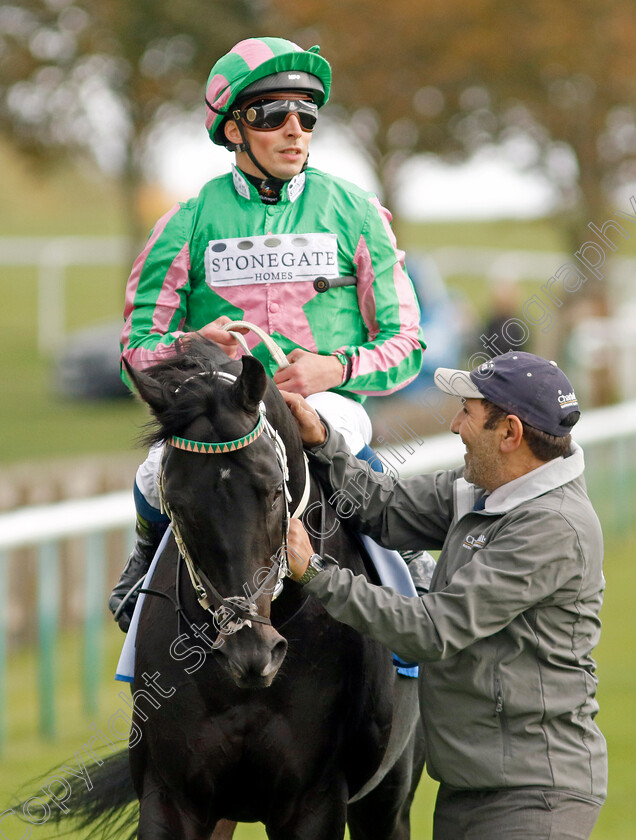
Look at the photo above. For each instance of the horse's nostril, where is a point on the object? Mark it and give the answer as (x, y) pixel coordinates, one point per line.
(276, 658)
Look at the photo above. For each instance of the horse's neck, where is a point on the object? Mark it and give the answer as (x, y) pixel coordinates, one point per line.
(319, 515)
(331, 532)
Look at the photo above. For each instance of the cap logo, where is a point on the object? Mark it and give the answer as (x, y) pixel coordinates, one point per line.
(567, 400)
(291, 76)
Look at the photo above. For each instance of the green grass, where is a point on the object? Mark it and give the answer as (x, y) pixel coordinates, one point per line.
(36, 422)
(38, 199)
(26, 756)
(506, 234)
(617, 689)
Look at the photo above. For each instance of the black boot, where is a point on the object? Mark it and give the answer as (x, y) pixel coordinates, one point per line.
(124, 596)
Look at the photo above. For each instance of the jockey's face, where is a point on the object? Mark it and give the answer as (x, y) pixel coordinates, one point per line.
(282, 151)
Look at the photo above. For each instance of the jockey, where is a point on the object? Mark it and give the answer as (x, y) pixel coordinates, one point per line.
(248, 248)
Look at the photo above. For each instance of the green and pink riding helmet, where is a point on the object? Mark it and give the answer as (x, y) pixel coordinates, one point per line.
(261, 66)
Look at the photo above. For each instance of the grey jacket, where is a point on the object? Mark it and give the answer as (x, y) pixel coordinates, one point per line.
(507, 681)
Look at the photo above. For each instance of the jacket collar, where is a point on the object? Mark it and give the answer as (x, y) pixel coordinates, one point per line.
(290, 191)
(547, 477)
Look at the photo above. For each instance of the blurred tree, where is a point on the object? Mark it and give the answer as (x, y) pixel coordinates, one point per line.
(95, 76)
(551, 80)
(554, 81)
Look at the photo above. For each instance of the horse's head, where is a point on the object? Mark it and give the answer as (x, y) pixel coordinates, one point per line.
(224, 487)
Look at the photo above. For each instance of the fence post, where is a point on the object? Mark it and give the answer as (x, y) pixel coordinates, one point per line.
(51, 295)
(93, 618)
(48, 603)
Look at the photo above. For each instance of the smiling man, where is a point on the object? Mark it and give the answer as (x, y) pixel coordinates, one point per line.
(249, 247)
(505, 635)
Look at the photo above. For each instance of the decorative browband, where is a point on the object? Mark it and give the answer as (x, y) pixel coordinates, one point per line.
(220, 447)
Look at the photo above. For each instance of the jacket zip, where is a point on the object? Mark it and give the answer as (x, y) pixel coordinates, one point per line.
(501, 716)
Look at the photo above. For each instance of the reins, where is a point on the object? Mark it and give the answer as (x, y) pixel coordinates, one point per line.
(275, 351)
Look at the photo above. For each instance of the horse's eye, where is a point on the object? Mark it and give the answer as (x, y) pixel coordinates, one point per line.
(277, 495)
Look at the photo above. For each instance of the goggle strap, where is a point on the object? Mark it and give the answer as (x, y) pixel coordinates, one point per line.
(216, 110)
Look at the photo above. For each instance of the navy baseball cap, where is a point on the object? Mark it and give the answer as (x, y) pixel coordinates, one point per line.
(528, 386)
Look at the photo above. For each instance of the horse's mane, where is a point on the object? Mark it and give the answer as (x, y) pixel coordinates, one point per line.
(186, 387)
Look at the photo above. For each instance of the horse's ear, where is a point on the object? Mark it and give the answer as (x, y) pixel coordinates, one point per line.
(149, 390)
(250, 385)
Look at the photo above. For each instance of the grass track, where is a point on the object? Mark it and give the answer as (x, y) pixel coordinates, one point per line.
(26, 756)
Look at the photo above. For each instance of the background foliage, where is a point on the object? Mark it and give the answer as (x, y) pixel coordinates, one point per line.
(552, 80)
(555, 80)
(94, 76)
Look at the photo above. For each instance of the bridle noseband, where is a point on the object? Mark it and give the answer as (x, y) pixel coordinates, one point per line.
(203, 587)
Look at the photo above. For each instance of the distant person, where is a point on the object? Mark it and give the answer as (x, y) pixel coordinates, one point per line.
(249, 247)
(504, 330)
(505, 635)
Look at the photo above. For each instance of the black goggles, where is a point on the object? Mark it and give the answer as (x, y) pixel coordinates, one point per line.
(272, 114)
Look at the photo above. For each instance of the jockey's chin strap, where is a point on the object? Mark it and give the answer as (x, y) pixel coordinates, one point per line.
(203, 587)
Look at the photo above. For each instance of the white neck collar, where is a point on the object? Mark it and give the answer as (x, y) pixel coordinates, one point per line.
(291, 191)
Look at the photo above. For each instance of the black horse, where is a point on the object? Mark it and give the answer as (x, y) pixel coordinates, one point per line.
(252, 705)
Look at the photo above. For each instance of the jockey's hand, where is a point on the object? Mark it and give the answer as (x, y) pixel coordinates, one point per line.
(310, 426)
(299, 549)
(226, 342)
(309, 373)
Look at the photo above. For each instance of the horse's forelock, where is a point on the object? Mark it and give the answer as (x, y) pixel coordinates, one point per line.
(196, 395)
(191, 390)
(189, 386)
